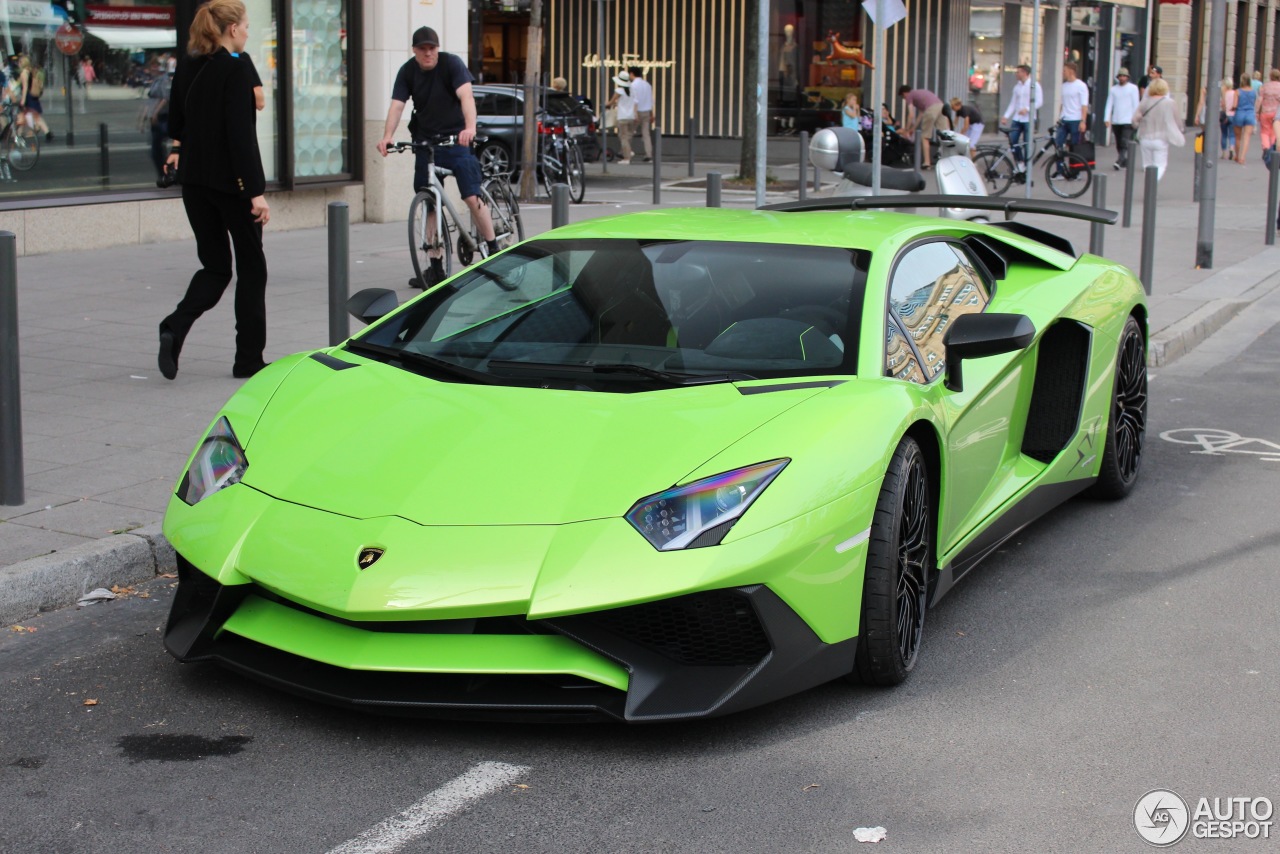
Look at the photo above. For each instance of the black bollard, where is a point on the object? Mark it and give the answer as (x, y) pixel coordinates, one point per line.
(1195, 177)
(804, 165)
(1128, 185)
(657, 165)
(693, 124)
(11, 478)
(713, 189)
(1097, 230)
(1273, 193)
(339, 271)
(559, 205)
(1149, 192)
(917, 154)
(104, 152)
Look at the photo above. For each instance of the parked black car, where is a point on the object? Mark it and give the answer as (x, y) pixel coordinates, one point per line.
(500, 117)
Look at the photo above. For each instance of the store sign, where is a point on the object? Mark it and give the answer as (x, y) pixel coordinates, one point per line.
(628, 60)
(25, 12)
(131, 16)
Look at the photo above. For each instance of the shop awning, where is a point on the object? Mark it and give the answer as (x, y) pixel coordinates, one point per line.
(137, 38)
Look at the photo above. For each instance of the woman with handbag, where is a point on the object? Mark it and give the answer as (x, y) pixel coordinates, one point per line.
(215, 150)
(1157, 122)
(625, 107)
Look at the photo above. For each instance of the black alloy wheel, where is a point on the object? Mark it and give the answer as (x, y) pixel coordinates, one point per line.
(899, 558)
(1127, 426)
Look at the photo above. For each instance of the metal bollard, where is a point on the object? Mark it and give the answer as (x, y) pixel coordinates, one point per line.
(692, 127)
(1273, 194)
(559, 205)
(1128, 185)
(11, 485)
(339, 271)
(918, 154)
(1195, 177)
(804, 165)
(1149, 192)
(1097, 230)
(104, 153)
(713, 189)
(657, 165)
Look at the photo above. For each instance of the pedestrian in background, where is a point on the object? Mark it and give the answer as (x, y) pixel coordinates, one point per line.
(157, 120)
(31, 79)
(642, 92)
(851, 111)
(1246, 117)
(1158, 126)
(1075, 106)
(923, 115)
(969, 123)
(1226, 113)
(1122, 101)
(1268, 105)
(1018, 113)
(215, 148)
(625, 107)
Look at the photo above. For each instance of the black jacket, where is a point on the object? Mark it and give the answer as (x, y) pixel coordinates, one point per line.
(212, 114)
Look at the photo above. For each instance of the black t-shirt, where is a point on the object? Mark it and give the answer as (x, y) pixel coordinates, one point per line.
(436, 107)
(970, 112)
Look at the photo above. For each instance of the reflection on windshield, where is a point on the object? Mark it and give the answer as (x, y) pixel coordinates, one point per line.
(678, 311)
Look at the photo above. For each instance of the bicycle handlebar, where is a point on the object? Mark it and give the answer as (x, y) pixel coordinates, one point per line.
(435, 142)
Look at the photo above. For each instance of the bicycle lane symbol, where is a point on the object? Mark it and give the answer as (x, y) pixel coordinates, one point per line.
(1216, 443)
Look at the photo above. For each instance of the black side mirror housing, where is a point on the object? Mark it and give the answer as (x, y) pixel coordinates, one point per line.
(972, 336)
(371, 304)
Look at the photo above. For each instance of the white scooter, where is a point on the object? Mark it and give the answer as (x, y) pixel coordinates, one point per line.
(840, 150)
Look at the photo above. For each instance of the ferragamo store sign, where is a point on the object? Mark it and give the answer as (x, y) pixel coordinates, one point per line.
(628, 60)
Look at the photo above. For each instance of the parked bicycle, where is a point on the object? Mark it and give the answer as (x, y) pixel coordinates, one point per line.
(1067, 173)
(19, 142)
(560, 159)
(432, 237)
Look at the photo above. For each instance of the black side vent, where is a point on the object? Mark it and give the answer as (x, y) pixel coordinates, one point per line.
(718, 627)
(1061, 371)
(330, 362)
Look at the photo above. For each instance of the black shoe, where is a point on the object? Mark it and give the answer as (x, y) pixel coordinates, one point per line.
(168, 358)
(648, 159)
(48, 137)
(1119, 166)
(241, 372)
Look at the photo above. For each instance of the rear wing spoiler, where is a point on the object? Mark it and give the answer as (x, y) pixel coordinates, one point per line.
(979, 203)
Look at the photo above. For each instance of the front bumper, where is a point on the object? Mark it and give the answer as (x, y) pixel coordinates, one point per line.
(696, 655)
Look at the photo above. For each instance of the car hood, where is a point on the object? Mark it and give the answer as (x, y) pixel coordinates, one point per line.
(373, 441)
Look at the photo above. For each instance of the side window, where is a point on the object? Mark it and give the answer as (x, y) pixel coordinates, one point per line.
(484, 103)
(505, 105)
(932, 285)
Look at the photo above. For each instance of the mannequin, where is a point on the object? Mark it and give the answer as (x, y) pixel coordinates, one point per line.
(788, 60)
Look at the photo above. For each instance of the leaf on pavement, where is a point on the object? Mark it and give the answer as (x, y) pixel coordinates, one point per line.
(90, 702)
(811, 786)
(21, 629)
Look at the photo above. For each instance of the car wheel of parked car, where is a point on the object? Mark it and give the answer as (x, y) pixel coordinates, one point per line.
(1127, 426)
(894, 585)
(494, 157)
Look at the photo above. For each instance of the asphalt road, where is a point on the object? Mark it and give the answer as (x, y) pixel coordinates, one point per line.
(1107, 650)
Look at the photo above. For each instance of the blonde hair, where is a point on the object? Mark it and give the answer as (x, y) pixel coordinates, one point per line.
(1158, 87)
(211, 21)
(1275, 74)
(560, 84)
(1246, 82)
(956, 103)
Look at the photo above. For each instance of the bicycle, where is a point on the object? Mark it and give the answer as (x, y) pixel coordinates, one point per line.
(560, 160)
(19, 142)
(1067, 173)
(427, 242)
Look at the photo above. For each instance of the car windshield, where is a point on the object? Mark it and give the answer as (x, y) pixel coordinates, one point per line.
(626, 315)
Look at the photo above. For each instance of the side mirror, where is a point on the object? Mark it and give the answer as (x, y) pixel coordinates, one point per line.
(972, 336)
(371, 304)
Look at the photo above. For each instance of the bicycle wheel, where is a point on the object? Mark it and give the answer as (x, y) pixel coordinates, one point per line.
(424, 242)
(22, 147)
(996, 171)
(1068, 174)
(508, 230)
(576, 174)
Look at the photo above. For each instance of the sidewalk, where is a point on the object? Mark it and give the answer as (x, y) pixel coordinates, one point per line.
(105, 437)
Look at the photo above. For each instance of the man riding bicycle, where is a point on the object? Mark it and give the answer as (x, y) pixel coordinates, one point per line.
(443, 105)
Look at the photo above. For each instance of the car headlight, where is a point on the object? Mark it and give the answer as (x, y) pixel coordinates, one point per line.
(701, 513)
(219, 462)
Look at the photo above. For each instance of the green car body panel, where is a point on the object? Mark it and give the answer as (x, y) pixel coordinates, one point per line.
(508, 501)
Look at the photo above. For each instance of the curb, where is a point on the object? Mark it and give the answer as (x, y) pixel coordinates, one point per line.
(57, 580)
(1181, 337)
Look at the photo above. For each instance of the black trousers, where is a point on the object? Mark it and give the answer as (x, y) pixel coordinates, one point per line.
(221, 221)
(1123, 134)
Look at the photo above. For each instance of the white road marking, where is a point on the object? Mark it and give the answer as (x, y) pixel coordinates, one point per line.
(855, 540)
(433, 810)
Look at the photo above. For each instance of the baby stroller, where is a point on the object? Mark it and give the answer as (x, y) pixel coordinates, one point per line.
(896, 151)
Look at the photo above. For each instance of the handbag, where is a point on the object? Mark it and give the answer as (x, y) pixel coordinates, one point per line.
(610, 117)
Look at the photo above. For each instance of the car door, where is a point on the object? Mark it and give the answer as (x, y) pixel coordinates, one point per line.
(933, 282)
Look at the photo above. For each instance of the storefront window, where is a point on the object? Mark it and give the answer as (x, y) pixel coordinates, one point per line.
(321, 145)
(986, 53)
(815, 60)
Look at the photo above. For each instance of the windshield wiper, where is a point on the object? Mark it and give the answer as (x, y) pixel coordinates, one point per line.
(419, 360)
(669, 377)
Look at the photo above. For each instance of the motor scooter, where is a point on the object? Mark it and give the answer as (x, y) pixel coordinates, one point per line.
(840, 150)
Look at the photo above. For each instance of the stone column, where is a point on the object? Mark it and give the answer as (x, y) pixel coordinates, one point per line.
(1173, 46)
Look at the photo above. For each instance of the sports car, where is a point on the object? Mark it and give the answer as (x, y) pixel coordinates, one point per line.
(657, 466)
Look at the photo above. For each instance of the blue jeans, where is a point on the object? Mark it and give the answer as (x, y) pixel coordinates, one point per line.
(1019, 133)
(1228, 138)
(1065, 130)
(463, 164)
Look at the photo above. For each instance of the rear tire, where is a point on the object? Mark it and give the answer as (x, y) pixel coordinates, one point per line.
(22, 146)
(996, 171)
(576, 174)
(900, 556)
(1069, 175)
(1127, 424)
(421, 242)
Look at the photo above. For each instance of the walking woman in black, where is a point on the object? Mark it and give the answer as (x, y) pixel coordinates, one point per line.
(215, 150)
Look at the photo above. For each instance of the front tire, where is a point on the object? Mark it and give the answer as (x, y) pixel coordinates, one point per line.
(422, 242)
(1127, 425)
(895, 583)
(996, 171)
(22, 147)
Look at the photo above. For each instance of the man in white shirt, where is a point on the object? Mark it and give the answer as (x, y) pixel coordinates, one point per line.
(1075, 106)
(642, 94)
(1018, 115)
(1122, 100)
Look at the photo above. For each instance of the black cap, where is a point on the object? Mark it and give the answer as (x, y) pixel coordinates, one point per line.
(425, 35)
(1157, 69)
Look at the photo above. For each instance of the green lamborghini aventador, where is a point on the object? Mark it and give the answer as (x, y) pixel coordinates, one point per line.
(656, 466)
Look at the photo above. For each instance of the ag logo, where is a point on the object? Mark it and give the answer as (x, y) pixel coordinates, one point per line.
(369, 556)
(1161, 817)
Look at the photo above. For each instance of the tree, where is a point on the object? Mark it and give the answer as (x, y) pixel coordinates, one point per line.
(750, 102)
(532, 74)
